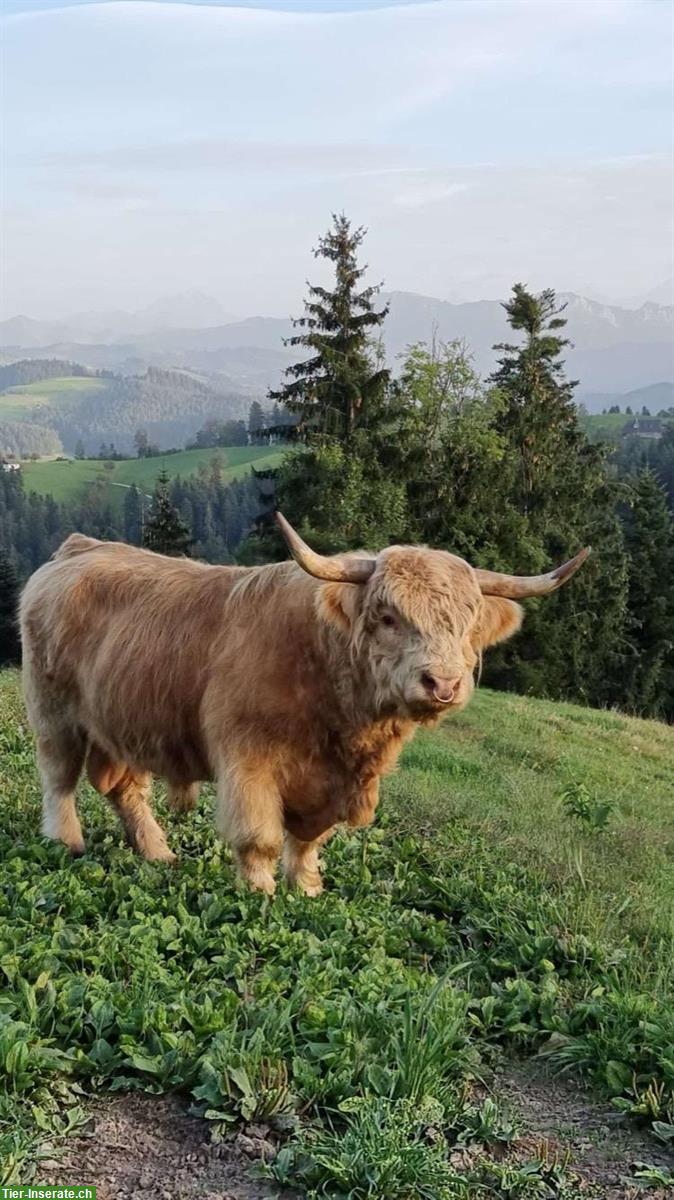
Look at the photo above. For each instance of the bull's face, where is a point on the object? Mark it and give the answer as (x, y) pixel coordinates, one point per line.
(418, 620)
(421, 628)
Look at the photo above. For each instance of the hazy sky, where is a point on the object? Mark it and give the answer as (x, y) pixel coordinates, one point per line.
(152, 147)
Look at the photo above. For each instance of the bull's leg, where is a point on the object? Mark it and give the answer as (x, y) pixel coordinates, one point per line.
(130, 801)
(60, 757)
(128, 792)
(362, 807)
(249, 817)
(182, 798)
(300, 862)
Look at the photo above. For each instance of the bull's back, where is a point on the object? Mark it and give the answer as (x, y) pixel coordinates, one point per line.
(122, 637)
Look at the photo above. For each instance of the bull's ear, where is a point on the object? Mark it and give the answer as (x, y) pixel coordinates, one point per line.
(339, 603)
(499, 619)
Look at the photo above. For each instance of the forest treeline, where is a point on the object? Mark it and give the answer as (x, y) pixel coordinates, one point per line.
(200, 515)
(35, 370)
(498, 471)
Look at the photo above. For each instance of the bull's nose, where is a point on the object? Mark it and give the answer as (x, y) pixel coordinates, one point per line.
(443, 690)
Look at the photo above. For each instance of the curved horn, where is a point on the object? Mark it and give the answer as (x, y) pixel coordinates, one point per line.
(517, 587)
(338, 570)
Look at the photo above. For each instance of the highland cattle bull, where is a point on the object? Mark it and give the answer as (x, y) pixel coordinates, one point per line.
(293, 686)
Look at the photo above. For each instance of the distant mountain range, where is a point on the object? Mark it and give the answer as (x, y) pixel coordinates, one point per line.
(189, 310)
(614, 349)
(655, 397)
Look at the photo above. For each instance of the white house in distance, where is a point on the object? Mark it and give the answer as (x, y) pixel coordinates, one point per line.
(10, 466)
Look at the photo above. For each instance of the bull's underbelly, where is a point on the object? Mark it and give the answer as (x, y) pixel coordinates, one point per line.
(179, 761)
(172, 750)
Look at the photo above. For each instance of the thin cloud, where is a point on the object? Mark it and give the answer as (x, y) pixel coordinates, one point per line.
(225, 155)
(429, 193)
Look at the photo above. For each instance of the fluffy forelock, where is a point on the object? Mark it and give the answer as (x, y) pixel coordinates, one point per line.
(427, 587)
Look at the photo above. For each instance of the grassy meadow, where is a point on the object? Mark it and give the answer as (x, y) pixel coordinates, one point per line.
(515, 897)
(608, 427)
(48, 389)
(65, 479)
(19, 403)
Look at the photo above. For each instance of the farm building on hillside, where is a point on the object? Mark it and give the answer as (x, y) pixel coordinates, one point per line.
(643, 427)
(10, 466)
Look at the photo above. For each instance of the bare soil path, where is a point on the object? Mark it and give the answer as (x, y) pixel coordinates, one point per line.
(601, 1145)
(141, 1147)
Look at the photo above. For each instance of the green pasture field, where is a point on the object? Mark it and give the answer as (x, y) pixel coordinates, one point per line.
(608, 427)
(514, 897)
(65, 479)
(19, 403)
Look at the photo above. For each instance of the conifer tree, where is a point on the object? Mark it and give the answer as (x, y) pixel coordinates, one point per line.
(557, 480)
(256, 420)
(165, 531)
(9, 601)
(332, 390)
(649, 537)
(134, 512)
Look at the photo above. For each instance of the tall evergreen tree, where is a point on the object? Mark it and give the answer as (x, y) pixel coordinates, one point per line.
(134, 512)
(165, 531)
(141, 442)
(333, 389)
(256, 420)
(558, 481)
(539, 417)
(649, 537)
(10, 651)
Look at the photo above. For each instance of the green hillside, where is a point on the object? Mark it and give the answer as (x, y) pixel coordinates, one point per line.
(608, 426)
(169, 405)
(19, 403)
(67, 478)
(516, 895)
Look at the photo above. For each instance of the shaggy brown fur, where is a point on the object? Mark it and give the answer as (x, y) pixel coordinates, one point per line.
(293, 694)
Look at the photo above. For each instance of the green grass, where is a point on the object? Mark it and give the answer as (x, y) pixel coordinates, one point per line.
(478, 916)
(56, 387)
(607, 426)
(65, 479)
(19, 403)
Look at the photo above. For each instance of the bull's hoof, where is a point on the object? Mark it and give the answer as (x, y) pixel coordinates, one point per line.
(74, 845)
(260, 880)
(309, 889)
(165, 856)
(152, 848)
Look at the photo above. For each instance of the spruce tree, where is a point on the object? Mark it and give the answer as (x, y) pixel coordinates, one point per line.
(649, 537)
(134, 512)
(332, 390)
(557, 480)
(256, 420)
(10, 651)
(165, 531)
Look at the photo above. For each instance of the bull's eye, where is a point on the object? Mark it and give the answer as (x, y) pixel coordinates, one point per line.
(388, 621)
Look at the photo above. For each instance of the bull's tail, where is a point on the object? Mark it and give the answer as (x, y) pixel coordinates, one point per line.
(77, 543)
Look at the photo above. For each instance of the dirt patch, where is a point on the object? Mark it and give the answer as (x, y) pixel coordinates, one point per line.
(601, 1145)
(140, 1147)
